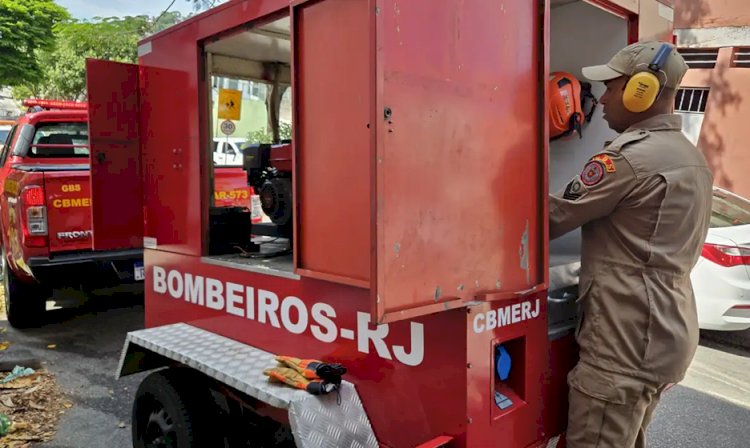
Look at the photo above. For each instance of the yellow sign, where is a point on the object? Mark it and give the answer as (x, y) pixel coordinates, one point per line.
(230, 103)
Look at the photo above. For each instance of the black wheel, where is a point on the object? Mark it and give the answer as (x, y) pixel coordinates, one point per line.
(25, 303)
(172, 411)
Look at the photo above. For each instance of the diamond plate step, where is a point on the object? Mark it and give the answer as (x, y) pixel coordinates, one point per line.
(316, 421)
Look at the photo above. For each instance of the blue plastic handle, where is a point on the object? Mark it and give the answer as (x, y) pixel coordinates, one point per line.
(661, 56)
(502, 362)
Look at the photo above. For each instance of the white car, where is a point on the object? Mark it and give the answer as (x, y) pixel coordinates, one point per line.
(226, 152)
(721, 278)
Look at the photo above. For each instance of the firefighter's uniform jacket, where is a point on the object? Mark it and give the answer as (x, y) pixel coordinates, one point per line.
(644, 203)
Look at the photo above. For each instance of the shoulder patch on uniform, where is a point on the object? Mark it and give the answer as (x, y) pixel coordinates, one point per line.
(574, 190)
(593, 173)
(609, 165)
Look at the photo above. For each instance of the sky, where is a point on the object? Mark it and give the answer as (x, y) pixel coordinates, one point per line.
(86, 9)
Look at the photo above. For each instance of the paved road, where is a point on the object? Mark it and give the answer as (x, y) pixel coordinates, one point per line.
(89, 340)
(710, 409)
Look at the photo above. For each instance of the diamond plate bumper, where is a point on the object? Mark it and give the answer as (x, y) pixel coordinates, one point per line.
(316, 421)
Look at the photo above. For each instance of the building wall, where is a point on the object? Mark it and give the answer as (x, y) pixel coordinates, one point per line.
(711, 13)
(723, 133)
(655, 20)
(720, 132)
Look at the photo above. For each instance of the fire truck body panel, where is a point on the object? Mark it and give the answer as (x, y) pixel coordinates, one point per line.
(419, 175)
(115, 154)
(422, 362)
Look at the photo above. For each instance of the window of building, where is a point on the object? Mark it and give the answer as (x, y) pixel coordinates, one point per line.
(741, 57)
(257, 91)
(691, 100)
(231, 83)
(700, 57)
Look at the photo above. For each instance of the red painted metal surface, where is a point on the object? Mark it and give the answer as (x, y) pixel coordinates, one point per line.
(176, 184)
(455, 203)
(437, 442)
(68, 199)
(520, 425)
(281, 158)
(116, 193)
(172, 205)
(53, 116)
(458, 187)
(333, 146)
(434, 389)
(230, 188)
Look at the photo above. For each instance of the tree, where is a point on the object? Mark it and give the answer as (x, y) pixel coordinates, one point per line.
(111, 38)
(200, 5)
(25, 28)
(264, 136)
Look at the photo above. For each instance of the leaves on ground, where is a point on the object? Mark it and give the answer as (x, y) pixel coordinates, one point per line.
(34, 404)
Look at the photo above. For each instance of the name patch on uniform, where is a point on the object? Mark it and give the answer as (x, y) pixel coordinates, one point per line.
(592, 173)
(609, 165)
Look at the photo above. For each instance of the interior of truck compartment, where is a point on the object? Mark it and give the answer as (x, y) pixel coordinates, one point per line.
(256, 62)
(581, 34)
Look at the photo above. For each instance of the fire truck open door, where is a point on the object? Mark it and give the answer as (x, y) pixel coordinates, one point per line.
(446, 188)
(116, 190)
(135, 169)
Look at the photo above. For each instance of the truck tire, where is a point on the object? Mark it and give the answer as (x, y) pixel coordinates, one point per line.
(25, 303)
(171, 410)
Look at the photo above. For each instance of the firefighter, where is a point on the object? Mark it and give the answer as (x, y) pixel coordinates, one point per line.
(644, 204)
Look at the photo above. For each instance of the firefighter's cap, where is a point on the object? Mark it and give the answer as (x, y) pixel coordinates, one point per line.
(636, 58)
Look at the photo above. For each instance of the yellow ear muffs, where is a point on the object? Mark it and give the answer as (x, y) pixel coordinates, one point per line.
(641, 92)
(643, 88)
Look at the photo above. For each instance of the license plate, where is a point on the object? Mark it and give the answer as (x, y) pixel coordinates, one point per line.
(140, 273)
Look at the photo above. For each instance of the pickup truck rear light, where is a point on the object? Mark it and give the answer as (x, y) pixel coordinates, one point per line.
(726, 256)
(34, 226)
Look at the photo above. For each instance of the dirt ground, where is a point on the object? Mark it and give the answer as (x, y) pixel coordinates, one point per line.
(32, 403)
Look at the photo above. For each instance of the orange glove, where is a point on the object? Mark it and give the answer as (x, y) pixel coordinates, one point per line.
(293, 378)
(314, 369)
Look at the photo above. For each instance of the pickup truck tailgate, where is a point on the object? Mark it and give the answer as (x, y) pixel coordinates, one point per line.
(68, 210)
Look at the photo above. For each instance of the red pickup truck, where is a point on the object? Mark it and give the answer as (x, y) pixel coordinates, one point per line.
(47, 217)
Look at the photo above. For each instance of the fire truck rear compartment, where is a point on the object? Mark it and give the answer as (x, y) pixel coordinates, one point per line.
(260, 54)
(418, 290)
(572, 25)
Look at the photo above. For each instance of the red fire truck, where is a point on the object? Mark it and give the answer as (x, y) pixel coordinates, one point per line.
(408, 234)
(47, 226)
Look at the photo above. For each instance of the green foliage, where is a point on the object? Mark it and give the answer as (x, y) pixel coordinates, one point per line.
(110, 38)
(43, 51)
(199, 5)
(263, 136)
(25, 29)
